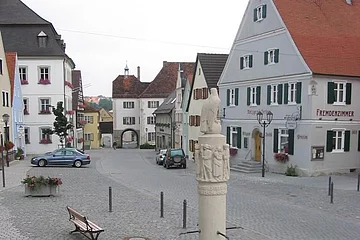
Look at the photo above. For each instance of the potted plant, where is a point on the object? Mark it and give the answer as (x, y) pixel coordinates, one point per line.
(41, 186)
(281, 157)
(45, 141)
(19, 154)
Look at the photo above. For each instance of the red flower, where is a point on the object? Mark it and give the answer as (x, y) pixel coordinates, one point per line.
(44, 81)
(67, 83)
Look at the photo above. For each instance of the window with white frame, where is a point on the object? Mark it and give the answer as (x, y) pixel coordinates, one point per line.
(45, 105)
(89, 137)
(153, 104)
(233, 137)
(338, 140)
(253, 96)
(128, 104)
(89, 119)
(283, 140)
(340, 92)
(27, 135)
(44, 135)
(246, 61)
(271, 56)
(150, 120)
(23, 73)
(151, 136)
(129, 120)
(292, 93)
(259, 13)
(45, 73)
(232, 97)
(5, 98)
(274, 94)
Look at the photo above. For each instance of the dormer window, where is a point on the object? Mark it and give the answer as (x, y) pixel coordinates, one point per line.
(42, 39)
(259, 13)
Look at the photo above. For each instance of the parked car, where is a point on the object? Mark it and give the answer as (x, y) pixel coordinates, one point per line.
(62, 156)
(160, 156)
(175, 157)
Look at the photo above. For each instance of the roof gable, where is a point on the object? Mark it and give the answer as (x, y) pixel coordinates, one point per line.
(327, 34)
(16, 12)
(165, 81)
(11, 63)
(128, 87)
(168, 105)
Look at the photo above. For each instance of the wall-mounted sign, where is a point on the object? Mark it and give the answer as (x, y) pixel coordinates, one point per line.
(246, 133)
(302, 137)
(317, 153)
(331, 113)
(254, 112)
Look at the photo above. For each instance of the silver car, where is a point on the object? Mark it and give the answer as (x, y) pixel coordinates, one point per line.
(160, 156)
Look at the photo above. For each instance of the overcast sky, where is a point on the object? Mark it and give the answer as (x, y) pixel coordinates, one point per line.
(102, 35)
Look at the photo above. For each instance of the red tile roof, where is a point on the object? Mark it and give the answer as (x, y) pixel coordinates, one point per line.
(11, 63)
(128, 87)
(327, 34)
(165, 82)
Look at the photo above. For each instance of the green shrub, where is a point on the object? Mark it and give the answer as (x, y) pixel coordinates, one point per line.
(147, 146)
(19, 153)
(291, 171)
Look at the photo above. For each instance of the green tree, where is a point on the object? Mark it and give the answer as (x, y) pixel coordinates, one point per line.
(61, 124)
(106, 104)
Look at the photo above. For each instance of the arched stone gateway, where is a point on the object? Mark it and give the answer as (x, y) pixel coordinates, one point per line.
(129, 139)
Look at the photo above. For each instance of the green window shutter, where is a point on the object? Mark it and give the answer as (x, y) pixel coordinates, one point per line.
(277, 53)
(228, 135)
(123, 104)
(347, 141)
(238, 129)
(228, 97)
(236, 96)
(330, 93)
(329, 140)
(298, 92)
(264, 11)
(250, 61)
(258, 94)
(276, 140)
(148, 104)
(248, 95)
(280, 93)
(359, 141)
(255, 15)
(268, 95)
(291, 141)
(266, 57)
(348, 93)
(286, 93)
(242, 63)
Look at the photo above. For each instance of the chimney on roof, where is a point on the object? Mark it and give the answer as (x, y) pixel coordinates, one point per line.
(164, 63)
(138, 73)
(349, 2)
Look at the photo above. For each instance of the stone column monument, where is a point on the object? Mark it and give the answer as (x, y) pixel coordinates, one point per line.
(212, 171)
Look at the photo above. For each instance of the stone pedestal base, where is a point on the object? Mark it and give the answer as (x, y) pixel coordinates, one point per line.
(212, 210)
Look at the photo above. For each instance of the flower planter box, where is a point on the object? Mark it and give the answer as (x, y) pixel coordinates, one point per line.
(41, 191)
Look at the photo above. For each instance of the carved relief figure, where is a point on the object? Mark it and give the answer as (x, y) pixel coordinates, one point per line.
(198, 161)
(206, 155)
(218, 169)
(226, 158)
(209, 114)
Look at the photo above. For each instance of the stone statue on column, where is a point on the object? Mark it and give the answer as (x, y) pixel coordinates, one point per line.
(212, 171)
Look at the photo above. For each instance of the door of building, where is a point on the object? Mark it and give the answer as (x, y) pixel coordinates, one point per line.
(257, 146)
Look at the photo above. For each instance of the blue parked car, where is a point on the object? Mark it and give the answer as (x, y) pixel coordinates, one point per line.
(62, 156)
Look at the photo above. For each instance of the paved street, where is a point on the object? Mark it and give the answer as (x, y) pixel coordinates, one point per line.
(274, 207)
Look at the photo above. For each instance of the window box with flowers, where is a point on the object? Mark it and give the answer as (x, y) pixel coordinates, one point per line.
(44, 81)
(45, 141)
(67, 83)
(45, 111)
(281, 157)
(233, 151)
(70, 112)
(8, 145)
(24, 82)
(82, 122)
(41, 186)
(80, 140)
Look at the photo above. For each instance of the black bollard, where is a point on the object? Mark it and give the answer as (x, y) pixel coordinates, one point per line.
(161, 204)
(110, 199)
(332, 193)
(329, 186)
(184, 214)
(358, 186)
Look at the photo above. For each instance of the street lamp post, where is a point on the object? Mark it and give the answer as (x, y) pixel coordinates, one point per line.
(264, 123)
(6, 118)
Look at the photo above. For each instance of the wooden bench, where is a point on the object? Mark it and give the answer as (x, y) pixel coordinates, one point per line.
(83, 225)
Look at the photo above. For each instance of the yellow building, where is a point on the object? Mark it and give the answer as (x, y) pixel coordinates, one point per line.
(105, 116)
(92, 137)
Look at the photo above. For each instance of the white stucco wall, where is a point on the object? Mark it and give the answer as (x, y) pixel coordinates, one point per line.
(144, 113)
